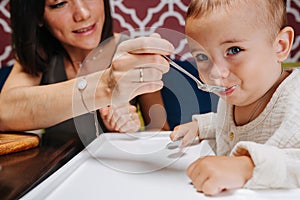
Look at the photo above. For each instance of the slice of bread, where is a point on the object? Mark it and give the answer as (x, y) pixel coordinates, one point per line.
(14, 142)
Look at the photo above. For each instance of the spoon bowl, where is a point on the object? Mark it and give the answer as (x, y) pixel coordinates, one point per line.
(201, 86)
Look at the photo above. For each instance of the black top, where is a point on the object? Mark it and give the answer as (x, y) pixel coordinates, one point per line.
(83, 125)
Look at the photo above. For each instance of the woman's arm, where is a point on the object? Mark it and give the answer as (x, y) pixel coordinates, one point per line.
(24, 105)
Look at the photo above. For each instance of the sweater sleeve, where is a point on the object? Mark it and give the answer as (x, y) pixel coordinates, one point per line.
(206, 123)
(277, 161)
(274, 167)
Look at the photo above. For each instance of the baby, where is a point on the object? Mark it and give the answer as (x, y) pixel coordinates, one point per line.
(240, 45)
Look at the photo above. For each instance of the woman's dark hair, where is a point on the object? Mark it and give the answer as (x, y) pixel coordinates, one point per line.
(34, 46)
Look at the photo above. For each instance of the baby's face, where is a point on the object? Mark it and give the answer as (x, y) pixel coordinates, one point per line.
(232, 48)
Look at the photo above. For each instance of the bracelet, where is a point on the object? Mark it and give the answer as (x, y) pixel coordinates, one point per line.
(81, 85)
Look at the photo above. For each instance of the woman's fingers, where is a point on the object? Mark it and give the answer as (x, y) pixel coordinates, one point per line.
(133, 84)
(106, 118)
(133, 124)
(104, 112)
(137, 67)
(146, 45)
(139, 75)
(124, 118)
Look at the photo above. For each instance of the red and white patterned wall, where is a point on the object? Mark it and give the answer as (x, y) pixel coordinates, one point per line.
(132, 15)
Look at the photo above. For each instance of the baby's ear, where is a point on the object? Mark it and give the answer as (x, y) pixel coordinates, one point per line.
(284, 42)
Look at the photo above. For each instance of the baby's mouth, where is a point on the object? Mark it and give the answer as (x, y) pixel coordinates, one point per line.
(229, 90)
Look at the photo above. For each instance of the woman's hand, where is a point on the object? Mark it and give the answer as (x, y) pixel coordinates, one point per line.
(121, 119)
(214, 174)
(137, 68)
(188, 132)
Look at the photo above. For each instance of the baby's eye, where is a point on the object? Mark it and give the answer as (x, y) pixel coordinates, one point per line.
(58, 5)
(234, 50)
(201, 57)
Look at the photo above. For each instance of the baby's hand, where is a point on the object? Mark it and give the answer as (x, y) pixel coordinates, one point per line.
(188, 132)
(121, 119)
(214, 174)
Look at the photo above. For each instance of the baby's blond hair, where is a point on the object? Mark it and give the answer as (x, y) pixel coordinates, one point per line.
(272, 12)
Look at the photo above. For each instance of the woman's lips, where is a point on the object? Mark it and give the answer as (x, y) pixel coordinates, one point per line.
(85, 29)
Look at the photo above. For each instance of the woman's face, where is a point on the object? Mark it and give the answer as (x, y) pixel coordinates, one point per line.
(77, 24)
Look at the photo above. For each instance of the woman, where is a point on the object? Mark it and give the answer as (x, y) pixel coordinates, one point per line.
(50, 38)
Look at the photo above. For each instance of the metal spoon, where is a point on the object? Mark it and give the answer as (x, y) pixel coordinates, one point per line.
(201, 86)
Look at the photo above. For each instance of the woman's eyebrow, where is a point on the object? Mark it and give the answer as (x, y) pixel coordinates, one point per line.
(51, 1)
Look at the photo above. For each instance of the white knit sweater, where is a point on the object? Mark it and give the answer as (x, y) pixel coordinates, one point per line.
(272, 139)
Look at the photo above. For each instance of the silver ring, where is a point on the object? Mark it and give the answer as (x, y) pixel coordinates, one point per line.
(141, 75)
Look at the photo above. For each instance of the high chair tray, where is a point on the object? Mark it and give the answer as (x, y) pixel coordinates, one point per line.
(134, 166)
